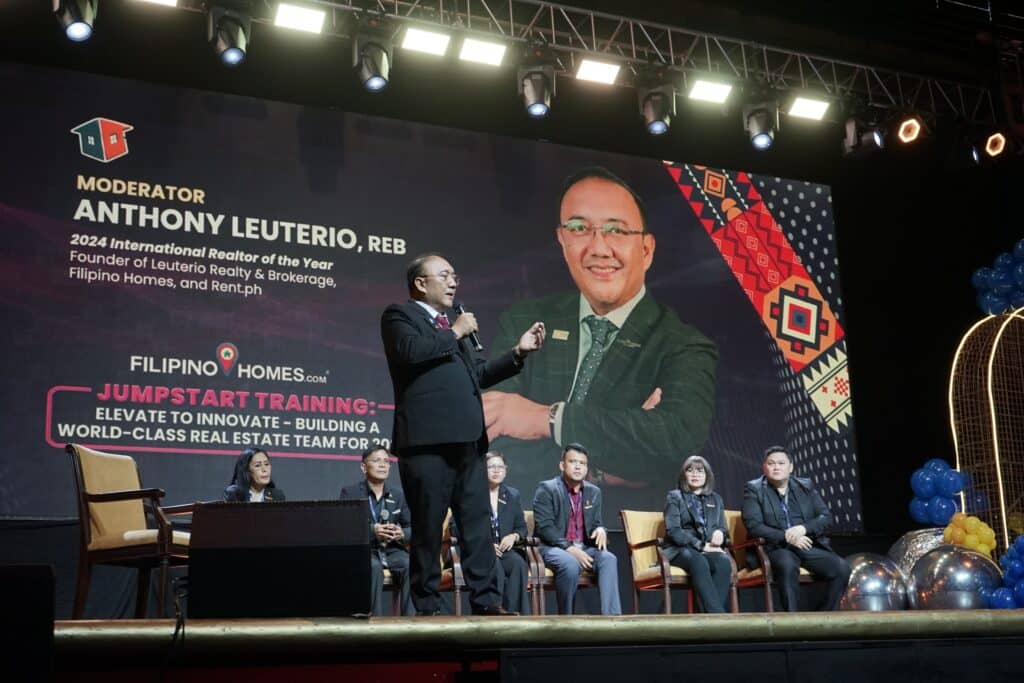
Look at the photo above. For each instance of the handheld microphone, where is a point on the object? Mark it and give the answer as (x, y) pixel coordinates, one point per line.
(473, 336)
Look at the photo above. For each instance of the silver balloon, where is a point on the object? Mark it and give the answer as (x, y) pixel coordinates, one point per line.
(951, 577)
(876, 584)
(912, 545)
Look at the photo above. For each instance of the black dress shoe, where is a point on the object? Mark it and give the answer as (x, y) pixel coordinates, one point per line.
(428, 613)
(493, 611)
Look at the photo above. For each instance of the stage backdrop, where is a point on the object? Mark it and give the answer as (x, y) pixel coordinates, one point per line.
(185, 274)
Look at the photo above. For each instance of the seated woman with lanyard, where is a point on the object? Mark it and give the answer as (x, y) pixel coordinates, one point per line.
(251, 482)
(697, 535)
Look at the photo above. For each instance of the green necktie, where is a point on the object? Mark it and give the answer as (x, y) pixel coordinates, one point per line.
(600, 328)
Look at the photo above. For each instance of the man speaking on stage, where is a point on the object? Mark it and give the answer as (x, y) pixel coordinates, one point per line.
(439, 433)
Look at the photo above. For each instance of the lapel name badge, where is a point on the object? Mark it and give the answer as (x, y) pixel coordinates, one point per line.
(560, 335)
(629, 343)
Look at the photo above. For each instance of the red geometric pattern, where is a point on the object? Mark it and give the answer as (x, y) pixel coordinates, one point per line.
(757, 252)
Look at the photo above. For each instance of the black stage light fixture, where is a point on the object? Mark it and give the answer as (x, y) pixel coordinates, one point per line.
(229, 31)
(371, 58)
(861, 139)
(657, 106)
(76, 17)
(536, 84)
(761, 121)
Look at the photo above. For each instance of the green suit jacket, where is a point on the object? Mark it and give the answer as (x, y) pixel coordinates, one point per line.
(653, 349)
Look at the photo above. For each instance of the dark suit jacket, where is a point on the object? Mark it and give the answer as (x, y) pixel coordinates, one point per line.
(551, 510)
(653, 349)
(235, 494)
(393, 501)
(436, 379)
(763, 516)
(682, 530)
(510, 514)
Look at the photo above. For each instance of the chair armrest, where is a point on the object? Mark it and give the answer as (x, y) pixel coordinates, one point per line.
(133, 494)
(747, 544)
(666, 566)
(645, 544)
(183, 509)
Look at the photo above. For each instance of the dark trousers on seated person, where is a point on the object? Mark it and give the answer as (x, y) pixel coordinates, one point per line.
(822, 562)
(398, 564)
(567, 575)
(434, 477)
(710, 575)
(512, 573)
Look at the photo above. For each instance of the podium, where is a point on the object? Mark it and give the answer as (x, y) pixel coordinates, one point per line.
(290, 559)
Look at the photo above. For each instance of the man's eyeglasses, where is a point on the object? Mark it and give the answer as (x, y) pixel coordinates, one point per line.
(378, 461)
(445, 276)
(497, 468)
(578, 228)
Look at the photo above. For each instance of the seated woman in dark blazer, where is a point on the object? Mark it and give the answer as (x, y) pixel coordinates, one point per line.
(697, 535)
(251, 482)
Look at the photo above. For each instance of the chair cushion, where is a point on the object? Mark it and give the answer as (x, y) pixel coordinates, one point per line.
(653, 573)
(137, 537)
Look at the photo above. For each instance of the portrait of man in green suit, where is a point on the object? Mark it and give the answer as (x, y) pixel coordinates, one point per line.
(621, 373)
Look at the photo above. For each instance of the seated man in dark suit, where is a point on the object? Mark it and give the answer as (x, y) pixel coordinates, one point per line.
(389, 528)
(567, 520)
(787, 512)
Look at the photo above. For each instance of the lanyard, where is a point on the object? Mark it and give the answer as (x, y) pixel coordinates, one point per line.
(373, 508)
(784, 504)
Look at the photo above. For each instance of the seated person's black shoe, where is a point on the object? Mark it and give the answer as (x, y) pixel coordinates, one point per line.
(428, 613)
(493, 611)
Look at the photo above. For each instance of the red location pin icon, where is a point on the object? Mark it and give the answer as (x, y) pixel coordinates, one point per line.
(227, 355)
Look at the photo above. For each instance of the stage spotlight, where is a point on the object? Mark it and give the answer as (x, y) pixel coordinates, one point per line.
(599, 72)
(425, 41)
(537, 86)
(76, 17)
(371, 58)
(657, 106)
(299, 18)
(710, 91)
(909, 130)
(861, 140)
(228, 31)
(995, 144)
(761, 120)
(808, 108)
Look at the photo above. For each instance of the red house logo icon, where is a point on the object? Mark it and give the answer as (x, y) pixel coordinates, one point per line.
(102, 139)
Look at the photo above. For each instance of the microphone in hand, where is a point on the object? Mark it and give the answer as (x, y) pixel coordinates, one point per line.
(474, 338)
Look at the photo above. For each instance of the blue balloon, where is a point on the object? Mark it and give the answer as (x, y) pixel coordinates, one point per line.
(992, 303)
(980, 278)
(1001, 282)
(919, 511)
(1004, 262)
(949, 483)
(1014, 570)
(1002, 598)
(1012, 552)
(1018, 250)
(1004, 560)
(985, 593)
(940, 510)
(922, 482)
(1018, 545)
(1018, 594)
(937, 465)
(1017, 298)
(1018, 274)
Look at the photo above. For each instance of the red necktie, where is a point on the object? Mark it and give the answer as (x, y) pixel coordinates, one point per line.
(442, 322)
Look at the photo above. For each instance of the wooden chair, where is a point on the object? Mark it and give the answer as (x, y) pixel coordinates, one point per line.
(112, 512)
(645, 532)
(753, 578)
(541, 578)
(452, 579)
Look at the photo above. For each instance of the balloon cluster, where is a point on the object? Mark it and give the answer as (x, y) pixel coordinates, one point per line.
(935, 486)
(971, 533)
(1001, 287)
(1011, 593)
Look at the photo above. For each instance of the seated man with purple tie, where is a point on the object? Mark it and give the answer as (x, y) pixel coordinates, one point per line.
(389, 529)
(567, 520)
